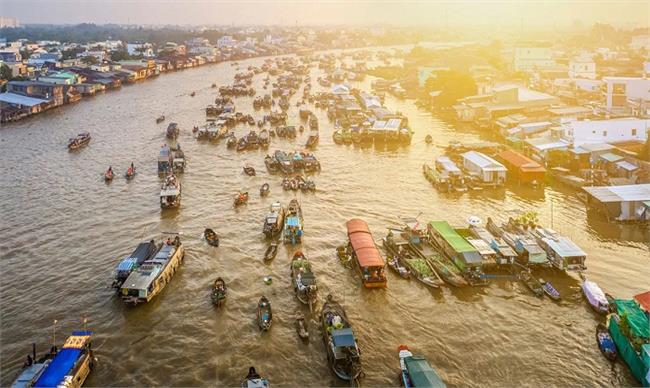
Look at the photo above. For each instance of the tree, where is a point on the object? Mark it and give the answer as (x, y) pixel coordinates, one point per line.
(89, 60)
(453, 85)
(5, 72)
(25, 54)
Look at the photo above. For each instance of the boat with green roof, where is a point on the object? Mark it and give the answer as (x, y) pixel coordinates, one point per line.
(458, 250)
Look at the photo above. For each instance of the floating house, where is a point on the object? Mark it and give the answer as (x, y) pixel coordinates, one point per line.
(522, 168)
(488, 170)
(453, 245)
(620, 203)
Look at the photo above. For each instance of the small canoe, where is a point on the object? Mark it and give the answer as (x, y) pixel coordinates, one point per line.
(428, 139)
(130, 173)
(265, 190)
(249, 170)
(595, 296)
(264, 314)
(605, 342)
(160, 119)
(108, 175)
(219, 291)
(231, 142)
(211, 237)
(270, 253)
(549, 290)
(532, 283)
(301, 328)
(241, 199)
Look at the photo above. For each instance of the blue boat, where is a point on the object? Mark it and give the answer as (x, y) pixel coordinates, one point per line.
(293, 224)
(416, 370)
(71, 365)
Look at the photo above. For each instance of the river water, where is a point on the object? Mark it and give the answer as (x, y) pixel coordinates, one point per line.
(64, 230)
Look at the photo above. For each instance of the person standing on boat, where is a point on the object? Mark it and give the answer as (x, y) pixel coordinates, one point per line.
(252, 374)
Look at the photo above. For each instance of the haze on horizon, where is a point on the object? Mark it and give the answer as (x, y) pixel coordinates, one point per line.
(495, 14)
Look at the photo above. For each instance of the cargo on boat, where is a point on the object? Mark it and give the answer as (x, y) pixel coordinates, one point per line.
(274, 220)
(293, 224)
(170, 192)
(142, 252)
(630, 330)
(343, 354)
(370, 264)
(154, 274)
(165, 160)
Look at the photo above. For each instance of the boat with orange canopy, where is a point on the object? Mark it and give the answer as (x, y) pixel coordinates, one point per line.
(362, 248)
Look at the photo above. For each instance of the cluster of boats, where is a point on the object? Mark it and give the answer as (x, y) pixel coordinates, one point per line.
(299, 182)
(289, 163)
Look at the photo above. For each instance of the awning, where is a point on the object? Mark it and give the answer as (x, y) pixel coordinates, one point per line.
(18, 99)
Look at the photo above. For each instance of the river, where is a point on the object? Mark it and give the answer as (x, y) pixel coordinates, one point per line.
(64, 230)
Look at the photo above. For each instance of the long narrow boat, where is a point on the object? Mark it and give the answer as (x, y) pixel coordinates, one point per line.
(293, 224)
(142, 252)
(71, 365)
(418, 267)
(362, 247)
(303, 279)
(595, 296)
(154, 274)
(416, 370)
(394, 260)
(343, 354)
(274, 220)
(81, 140)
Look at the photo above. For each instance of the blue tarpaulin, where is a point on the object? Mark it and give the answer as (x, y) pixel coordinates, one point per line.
(293, 221)
(343, 337)
(58, 368)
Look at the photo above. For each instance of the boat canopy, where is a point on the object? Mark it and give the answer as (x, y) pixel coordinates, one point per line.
(293, 221)
(343, 337)
(172, 192)
(421, 373)
(636, 318)
(564, 247)
(363, 244)
(65, 360)
(457, 242)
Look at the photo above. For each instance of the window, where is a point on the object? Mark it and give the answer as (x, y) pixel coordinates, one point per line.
(604, 133)
(633, 131)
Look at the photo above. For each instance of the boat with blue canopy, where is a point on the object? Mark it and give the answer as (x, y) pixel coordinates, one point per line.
(343, 353)
(71, 365)
(293, 228)
(142, 252)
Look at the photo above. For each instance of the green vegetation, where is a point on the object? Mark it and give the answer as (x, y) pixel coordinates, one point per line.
(420, 266)
(453, 86)
(5, 72)
(89, 60)
(528, 218)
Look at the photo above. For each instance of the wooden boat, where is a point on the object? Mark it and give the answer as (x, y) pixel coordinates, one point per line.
(549, 290)
(303, 279)
(343, 354)
(532, 283)
(293, 224)
(231, 142)
(272, 164)
(79, 141)
(211, 237)
(270, 252)
(265, 190)
(285, 163)
(274, 220)
(606, 343)
(595, 296)
(172, 131)
(264, 314)
(428, 139)
(312, 140)
(241, 199)
(264, 138)
(337, 136)
(160, 119)
(416, 370)
(242, 144)
(448, 272)
(108, 175)
(370, 265)
(457, 250)
(148, 280)
(165, 160)
(178, 159)
(170, 192)
(253, 380)
(301, 328)
(219, 291)
(143, 252)
(130, 173)
(192, 94)
(249, 170)
(69, 367)
(394, 260)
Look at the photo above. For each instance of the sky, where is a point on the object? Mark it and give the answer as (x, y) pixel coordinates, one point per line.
(496, 14)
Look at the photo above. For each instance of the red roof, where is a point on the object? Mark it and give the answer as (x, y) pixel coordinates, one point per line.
(643, 300)
(520, 161)
(363, 244)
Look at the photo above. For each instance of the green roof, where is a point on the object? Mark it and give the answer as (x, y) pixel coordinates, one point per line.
(635, 317)
(421, 373)
(451, 236)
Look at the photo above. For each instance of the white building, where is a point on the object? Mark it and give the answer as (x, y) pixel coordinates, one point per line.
(529, 59)
(582, 67)
(226, 41)
(8, 22)
(580, 132)
(139, 48)
(640, 42)
(484, 167)
(618, 90)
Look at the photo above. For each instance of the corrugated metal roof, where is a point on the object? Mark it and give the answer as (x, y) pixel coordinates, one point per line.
(483, 161)
(625, 193)
(610, 157)
(624, 164)
(18, 99)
